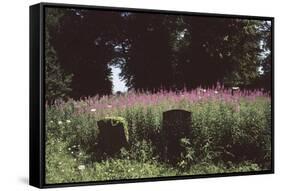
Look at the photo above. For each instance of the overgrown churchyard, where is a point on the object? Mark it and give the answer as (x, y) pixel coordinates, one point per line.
(197, 99)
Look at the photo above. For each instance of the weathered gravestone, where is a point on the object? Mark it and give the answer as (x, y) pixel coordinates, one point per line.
(234, 90)
(176, 125)
(113, 135)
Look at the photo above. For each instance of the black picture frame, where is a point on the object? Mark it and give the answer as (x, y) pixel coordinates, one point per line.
(37, 93)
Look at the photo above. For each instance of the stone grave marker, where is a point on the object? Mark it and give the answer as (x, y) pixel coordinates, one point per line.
(113, 135)
(176, 125)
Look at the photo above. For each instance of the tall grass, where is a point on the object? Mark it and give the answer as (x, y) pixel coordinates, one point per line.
(230, 133)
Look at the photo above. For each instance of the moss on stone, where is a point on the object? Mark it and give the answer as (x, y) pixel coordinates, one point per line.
(116, 121)
(113, 135)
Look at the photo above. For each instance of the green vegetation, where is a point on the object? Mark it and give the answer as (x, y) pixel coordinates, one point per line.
(166, 61)
(229, 134)
(57, 81)
(171, 52)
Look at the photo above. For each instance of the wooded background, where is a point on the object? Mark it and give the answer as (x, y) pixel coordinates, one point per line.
(154, 52)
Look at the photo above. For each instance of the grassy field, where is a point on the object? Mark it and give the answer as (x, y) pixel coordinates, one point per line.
(230, 133)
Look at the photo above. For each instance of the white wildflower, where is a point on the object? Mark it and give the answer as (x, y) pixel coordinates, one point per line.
(68, 121)
(81, 167)
(59, 122)
(131, 169)
(51, 121)
(93, 110)
(202, 90)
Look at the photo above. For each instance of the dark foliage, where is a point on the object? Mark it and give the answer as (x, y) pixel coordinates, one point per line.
(157, 51)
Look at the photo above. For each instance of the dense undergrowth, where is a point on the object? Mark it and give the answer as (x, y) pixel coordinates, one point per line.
(230, 133)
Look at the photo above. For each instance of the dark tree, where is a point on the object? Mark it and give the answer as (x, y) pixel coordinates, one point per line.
(223, 50)
(56, 80)
(176, 52)
(266, 61)
(148, 62)
(159, 51)
(85, 45)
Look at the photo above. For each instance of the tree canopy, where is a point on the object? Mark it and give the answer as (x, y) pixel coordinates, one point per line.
(159, 51)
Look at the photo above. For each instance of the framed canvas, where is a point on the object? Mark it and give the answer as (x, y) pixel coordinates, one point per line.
(126, 95)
